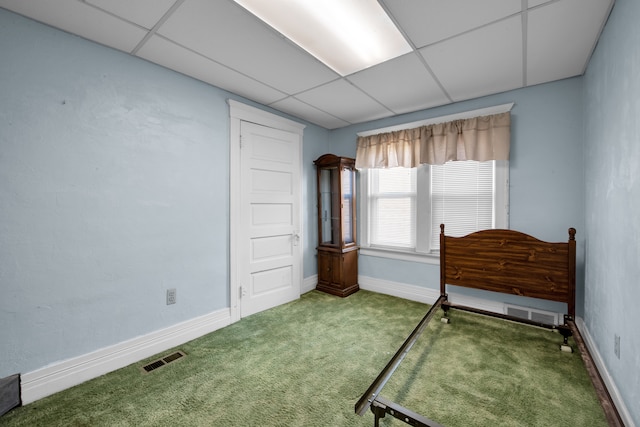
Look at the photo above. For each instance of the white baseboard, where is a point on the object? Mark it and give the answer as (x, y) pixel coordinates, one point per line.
(68, 373)
(400, 290)
(309, 284)
(604, 373)
(425, 295)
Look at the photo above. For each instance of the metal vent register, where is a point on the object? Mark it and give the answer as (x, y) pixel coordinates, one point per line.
(163, 361)
(533, 314)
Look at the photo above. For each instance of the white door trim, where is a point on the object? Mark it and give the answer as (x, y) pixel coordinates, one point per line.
(239, 112)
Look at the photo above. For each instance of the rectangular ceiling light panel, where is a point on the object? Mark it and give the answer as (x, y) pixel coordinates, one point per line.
(347, 36)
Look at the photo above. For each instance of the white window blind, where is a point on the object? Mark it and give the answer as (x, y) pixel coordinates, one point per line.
(404, 207)
(392, 200)
(462, 198)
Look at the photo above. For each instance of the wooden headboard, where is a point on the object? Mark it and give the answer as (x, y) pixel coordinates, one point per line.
(511, 262)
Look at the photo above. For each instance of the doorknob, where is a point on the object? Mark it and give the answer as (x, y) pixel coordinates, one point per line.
(296, 238)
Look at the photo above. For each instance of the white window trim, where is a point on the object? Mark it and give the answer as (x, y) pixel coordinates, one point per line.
(381, 251)
(420, 255)
(431, 258)
(502, 194)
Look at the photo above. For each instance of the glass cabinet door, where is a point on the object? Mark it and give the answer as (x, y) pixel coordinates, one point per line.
(336, 201)
(348, 208)
(328, 224)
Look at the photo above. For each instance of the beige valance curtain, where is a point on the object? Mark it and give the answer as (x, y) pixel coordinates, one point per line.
(480, 138)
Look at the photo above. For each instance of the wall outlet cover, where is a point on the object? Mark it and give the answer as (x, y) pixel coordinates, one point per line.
(171, 296)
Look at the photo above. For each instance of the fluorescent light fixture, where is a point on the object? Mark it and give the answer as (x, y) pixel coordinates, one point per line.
(346, 35)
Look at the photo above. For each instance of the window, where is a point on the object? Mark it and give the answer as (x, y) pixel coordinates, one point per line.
(392, 207)
(461, 198)
(402, 209)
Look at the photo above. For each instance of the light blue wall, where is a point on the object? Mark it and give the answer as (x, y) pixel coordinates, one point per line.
(310, 153)
(546, 176)
(612, 179)
(114, 187)
(114, 178)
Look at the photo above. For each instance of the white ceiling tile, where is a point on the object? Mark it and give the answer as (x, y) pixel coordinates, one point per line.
(428, 21)
(226, 33)
(81, 19)
(145, 13)
(298, 108)
(535, 3)
(561, 40)
(408, 85)
(487, 60)
(174, 57)
(472, 47)
(343, 100)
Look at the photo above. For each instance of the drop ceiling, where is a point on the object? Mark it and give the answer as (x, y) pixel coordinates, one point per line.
(461, 49)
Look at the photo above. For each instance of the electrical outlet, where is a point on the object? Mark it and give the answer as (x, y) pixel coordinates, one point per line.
(616, 346)
(171, 296)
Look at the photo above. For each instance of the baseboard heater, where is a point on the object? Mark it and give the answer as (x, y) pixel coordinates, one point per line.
(532, 314)
(9, 393)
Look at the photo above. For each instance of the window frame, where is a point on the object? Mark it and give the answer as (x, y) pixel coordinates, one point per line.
(422, 252)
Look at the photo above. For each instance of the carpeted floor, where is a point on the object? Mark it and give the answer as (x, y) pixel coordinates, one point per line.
(306, 363)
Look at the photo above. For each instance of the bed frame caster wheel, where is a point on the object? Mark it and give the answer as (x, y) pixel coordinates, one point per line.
(445, 320)
(566, 348)
(566, 333)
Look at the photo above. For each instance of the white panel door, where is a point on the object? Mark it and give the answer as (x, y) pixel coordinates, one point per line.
(270, 255)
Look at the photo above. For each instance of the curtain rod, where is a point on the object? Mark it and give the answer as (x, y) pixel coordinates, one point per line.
(487, 111)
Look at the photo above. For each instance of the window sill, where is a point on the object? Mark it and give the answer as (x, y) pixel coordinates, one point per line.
(401, 255)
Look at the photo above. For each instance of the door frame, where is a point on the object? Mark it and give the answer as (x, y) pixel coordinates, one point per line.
(239, 112)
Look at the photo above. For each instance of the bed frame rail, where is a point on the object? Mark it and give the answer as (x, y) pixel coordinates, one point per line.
(505, 261)
(373, 391)
(381, 407)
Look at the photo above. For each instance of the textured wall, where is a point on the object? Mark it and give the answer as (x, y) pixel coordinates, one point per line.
(612, 178)
(113, 188)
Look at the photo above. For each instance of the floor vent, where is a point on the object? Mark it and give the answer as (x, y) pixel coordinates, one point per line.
(163, 361)
(540, 316)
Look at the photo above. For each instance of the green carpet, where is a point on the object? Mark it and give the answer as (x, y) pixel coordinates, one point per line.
(306, 363)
